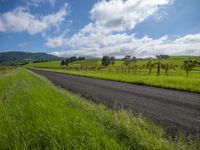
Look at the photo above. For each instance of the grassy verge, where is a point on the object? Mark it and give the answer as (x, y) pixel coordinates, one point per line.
(170, 82)
(34, 114)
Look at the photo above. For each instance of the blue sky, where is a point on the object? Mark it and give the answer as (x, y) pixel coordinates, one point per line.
(142, 28)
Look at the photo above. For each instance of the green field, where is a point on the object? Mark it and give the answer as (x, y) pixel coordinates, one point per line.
(34, 114)
(175, 79)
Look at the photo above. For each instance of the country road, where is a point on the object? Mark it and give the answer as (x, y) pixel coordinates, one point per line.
(173, 110)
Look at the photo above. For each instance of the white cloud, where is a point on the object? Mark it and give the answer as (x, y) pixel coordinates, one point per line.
(20, 19)
(107, 34)
(56, 42)
(120, 45)
(120, 15)
(190, 38)
(38, 3)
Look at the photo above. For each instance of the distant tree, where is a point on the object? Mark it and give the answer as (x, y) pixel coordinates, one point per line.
(162, 56)
(112, 60)
(67, 62)
(134, 59)
(127, 60)
(81, 58)
(189, 65)
(72, 59)
(105, 61)
(62, 62)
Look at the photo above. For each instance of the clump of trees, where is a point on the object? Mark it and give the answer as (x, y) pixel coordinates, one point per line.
(189, 65)
(162, 56)
(106, 60)
(128, 60)
(70, 60)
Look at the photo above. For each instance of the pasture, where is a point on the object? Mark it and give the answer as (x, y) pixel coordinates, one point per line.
(173, 77)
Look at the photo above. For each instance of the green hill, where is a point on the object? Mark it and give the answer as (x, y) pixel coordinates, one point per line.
(17, 58)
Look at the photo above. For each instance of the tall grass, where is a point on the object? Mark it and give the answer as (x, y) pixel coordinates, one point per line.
(34, 114)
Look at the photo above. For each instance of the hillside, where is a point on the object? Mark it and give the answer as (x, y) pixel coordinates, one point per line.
(15, 58)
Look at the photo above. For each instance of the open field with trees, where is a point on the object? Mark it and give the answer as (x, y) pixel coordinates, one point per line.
(180, 73)
(34, 114)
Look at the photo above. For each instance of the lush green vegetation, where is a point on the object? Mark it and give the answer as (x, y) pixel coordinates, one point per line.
(69, 60)
(34, 114)
(4, 69)
(19, 58)
(172, 71)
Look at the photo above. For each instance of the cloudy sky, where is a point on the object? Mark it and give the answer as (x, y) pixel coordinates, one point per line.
(141, 28)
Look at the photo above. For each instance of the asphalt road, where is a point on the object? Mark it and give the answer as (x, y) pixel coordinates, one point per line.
(174, 110)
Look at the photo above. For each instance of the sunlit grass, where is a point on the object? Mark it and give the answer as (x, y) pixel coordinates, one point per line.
(34, 114)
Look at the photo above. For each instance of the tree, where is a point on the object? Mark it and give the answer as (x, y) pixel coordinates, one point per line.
(127, 60)
(67, 61)
(162, 56)
(81, 58)
(134, 59)
(105, 61)
(189, 65)
(62, 62)
(112, 60)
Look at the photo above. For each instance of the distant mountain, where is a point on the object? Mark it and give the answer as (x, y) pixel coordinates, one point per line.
(19, 58)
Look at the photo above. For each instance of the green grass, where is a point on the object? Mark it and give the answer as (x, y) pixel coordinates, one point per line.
(178, 60)
(34, 114)
(176, 79)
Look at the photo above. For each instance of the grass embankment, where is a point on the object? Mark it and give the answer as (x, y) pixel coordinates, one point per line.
(34, 114)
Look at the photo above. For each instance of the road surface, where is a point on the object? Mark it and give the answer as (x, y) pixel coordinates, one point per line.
(173, 110)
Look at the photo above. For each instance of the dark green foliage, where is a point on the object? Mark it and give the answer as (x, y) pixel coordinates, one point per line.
(105, 61)
(72, 59)
(81, 58)
(127, 60)
(189, 65)
(21, 58)
(162, 56)
(112, 60)
(62, 62)
(134, 59)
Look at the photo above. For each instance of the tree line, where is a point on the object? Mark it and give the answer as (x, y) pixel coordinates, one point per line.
(106, 60)
(70, 60)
